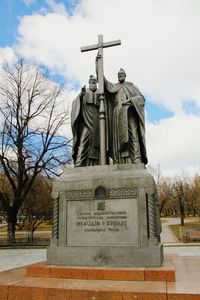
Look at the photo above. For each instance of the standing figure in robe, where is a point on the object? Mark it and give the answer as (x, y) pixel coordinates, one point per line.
(85, 126)
(126, 121)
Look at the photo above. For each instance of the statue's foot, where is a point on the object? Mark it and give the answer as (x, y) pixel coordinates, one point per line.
(137, 161)
(78, 164)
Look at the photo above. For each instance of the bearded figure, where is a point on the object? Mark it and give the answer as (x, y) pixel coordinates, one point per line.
(85, 126)
(126, 121)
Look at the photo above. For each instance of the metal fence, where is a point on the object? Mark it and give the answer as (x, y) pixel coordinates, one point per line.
(26, 242)
(25, 237)
(189, 233)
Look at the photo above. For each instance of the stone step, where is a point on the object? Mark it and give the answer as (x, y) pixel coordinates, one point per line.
(37, 288)
(16, 285)
(67, 289)
(102, 273)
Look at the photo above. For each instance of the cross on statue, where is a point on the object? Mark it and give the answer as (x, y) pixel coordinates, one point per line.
(100, 76)
(100, 47)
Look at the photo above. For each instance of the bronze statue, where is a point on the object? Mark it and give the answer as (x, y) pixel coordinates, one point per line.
(126, 121)
(103, 158)
(109, 124)
(85, 126)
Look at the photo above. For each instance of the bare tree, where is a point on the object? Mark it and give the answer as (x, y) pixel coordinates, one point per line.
(156, 172)
(31, 118)
(194, 197)
(165, 196)
(38, 207)
(164, 189)
(181, 195)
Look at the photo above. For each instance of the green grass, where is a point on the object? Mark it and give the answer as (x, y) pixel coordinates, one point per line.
(176, 228)
(163, 221)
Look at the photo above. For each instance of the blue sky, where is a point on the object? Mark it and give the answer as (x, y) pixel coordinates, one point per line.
(160, 53)
(12, 10)
(10, 13)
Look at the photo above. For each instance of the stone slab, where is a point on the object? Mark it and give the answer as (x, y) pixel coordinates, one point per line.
(14, 285)
(109, 256)
(105, 218)
(117, 224)
(3, 292)
(124, 274)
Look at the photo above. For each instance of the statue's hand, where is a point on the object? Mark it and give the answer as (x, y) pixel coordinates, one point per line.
(127, 102)
(83, 90)
(98, 56)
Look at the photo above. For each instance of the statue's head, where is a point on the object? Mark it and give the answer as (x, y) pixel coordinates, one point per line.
(121, 75)
(92, 83)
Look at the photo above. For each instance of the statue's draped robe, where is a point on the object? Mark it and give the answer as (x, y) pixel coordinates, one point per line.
(85, 129)
(126, 123)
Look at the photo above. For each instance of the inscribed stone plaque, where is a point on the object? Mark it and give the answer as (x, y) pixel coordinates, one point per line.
(102, 222)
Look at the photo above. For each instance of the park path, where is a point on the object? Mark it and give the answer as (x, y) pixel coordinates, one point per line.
(167, 235)
(13, 258)
(4, 233)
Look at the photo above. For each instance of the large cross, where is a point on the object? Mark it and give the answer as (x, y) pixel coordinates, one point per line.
(100, 76)
(100, 47)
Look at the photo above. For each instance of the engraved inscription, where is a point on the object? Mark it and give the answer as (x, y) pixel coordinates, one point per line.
(103, 221)
(97, 222)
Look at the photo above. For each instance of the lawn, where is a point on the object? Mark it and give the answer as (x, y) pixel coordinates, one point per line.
(177, 228)
(163, 221)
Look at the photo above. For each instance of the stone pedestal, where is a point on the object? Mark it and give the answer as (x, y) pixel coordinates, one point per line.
(106, 216)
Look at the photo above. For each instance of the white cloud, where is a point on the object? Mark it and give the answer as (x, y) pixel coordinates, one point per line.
(28, 2)
(7, 55)
(160, 44)
(160, 53)
(58, 8)
(174, 144)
